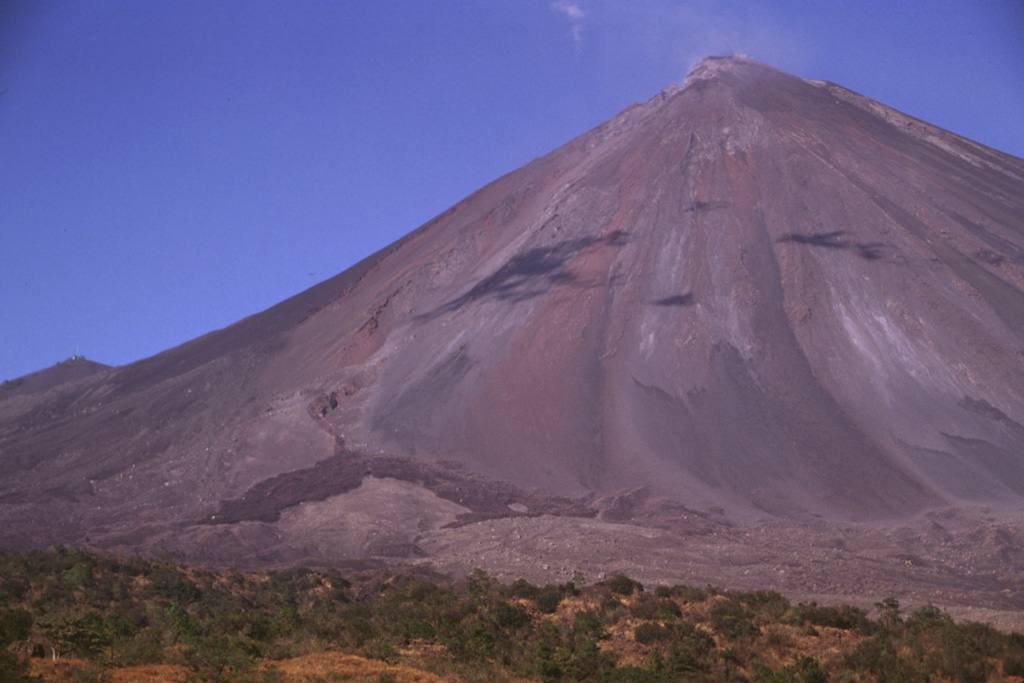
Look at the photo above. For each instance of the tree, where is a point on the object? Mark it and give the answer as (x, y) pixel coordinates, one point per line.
(590, 662)
(544, 665)
(622, 584)
(220, 659)
(83, 635)
(479, 585)
(183, 626)
(15, 625)
(733, 619)
(889, 613)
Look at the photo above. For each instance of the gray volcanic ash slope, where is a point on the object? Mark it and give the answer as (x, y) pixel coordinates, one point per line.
(751, 301)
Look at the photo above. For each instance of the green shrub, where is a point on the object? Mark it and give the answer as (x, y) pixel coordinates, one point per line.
(644, 607)
(668, 609)
(590, 662)
(610, 606)
(382, 650)
(14, 669)
(879, 657)
(988, 641)
(511, 616)
(768, 604)
(733, 619)
(15, 625)
(90, 606)
(589, 625)
(143, 648)
(622, 584)
(543, 664)
(287, 621)
(1013, 665)
(182, 624)
(844, 617)
(220, 659)
(169, 583)
(359, 630)
(631, 674)
(777, 639)
(690, 593)
(13, 589)
(408, 629)
(521, 588)
(650, 632)
(548, 599)
(481, 640)
(690, 649)
(804, 669)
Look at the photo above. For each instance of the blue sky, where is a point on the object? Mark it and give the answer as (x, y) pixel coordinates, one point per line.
(167, 168)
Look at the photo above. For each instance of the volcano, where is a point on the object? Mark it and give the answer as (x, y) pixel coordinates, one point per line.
(757, 329)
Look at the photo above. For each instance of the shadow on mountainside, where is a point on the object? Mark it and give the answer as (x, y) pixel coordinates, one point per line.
(531, 273)
(686, 299)
(837, 239)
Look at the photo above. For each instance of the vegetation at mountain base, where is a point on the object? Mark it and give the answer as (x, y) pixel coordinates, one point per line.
(70, 615)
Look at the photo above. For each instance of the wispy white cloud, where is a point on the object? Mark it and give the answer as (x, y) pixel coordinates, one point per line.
(575, 14)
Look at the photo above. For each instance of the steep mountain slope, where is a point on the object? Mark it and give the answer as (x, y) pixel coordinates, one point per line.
(751, 295)
(753, 286)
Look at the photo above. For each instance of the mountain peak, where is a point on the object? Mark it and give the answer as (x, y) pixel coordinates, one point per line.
(712, 67)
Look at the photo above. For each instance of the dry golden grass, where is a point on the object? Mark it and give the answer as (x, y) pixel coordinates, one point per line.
(53, 669)
(342, 667)
(313, 668)
(148, 673)
(62, 670)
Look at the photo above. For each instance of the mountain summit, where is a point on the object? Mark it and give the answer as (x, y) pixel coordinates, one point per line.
(753, 299)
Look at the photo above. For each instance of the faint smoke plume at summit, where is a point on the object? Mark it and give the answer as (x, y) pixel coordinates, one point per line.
(575, 14)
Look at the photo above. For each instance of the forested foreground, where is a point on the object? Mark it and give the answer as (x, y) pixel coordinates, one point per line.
(66, 614)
